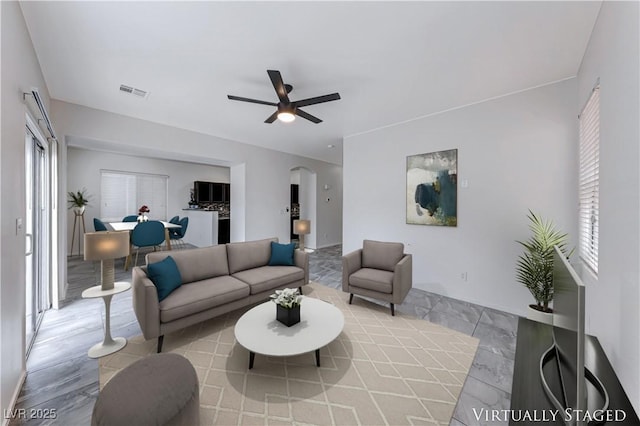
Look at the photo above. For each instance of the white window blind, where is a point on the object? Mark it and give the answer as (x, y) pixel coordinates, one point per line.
(589, 188)
(123, 193)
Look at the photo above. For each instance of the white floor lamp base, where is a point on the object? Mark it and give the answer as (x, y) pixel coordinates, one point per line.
(102, 349)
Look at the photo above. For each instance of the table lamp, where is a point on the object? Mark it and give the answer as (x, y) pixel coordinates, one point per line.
(301, 228)
(106, 246)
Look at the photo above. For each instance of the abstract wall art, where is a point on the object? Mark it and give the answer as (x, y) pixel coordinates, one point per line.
(432, 188)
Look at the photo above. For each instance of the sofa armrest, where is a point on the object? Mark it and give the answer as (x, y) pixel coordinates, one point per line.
(145, 303)
(301, 260)
(351, 263)
(402, 278)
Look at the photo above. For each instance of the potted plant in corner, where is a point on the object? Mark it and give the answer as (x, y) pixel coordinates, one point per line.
(78, 201)
(534, 268)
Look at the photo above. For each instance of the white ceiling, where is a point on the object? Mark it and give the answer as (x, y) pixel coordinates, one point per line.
(390, 61)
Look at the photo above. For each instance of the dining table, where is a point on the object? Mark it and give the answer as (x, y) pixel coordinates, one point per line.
(128, 226)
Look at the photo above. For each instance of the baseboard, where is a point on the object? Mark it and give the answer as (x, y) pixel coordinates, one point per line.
(328, 245)
(14, 399)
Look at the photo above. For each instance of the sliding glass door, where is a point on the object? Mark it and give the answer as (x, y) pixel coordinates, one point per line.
(37, 230)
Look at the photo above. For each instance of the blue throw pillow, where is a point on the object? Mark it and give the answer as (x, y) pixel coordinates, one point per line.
(282, 254)
(165, 276)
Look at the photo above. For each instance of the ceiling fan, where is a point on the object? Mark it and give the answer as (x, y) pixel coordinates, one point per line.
(287, 110)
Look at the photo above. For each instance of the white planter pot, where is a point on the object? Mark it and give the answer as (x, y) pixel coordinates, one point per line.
(79, 210)
(543, 317)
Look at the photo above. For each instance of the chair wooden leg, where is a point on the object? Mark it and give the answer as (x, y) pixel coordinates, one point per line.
(350, 298)
(160, 341)
(393, 312)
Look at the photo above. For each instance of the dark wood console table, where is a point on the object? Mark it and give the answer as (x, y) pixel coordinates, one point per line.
(534, 339)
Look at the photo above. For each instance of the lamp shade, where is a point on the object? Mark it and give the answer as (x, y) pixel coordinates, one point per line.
(301, 227)
(106, 245)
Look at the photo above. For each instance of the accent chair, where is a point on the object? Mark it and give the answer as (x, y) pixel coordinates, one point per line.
(380, 270)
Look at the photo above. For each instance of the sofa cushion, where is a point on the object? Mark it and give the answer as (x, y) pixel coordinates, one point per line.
(197, 264)
(372, 279)
(381, 255)
(269, 277)
(249, 254)
(199, 296)
(165, 276)
(281, 254)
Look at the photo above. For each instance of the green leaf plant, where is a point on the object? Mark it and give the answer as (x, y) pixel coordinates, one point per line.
(534, 268)
(78, 198)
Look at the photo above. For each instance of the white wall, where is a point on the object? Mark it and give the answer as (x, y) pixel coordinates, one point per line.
(20, 72)
(613, 299)
(517, 153)
(266, 172)
(83, 171)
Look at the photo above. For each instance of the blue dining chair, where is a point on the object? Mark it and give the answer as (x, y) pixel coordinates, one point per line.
(147, 234)
(175, 219)
(130, 218)
(99, 225)
(178, 233)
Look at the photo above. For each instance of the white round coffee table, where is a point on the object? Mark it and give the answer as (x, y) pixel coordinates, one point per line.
(259, 331)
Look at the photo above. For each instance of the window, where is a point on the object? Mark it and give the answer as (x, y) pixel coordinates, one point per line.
(122, 194)
(589, 188)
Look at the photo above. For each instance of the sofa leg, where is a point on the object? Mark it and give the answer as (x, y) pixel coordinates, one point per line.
(393, 312)
(160, 341)
(350, 298)
(300, 289)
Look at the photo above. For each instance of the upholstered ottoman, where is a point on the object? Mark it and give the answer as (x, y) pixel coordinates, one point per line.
(161, 389)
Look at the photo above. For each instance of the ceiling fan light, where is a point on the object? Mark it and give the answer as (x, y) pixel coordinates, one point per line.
(286, 116)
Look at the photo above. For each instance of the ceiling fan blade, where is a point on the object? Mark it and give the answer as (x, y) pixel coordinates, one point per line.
(278, 84)
(272, 118)
(317, 100)
(308, 116)
(253, 101)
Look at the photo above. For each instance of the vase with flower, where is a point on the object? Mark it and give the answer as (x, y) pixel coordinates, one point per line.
(287, 305)
(142, 213)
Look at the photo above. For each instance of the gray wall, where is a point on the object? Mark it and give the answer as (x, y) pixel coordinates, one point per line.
(20, 72)
(517, 153)
(614, 296)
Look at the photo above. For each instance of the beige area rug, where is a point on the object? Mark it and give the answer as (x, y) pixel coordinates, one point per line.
(380, 370)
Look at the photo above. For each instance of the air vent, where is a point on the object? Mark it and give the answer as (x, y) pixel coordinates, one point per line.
(133, 91)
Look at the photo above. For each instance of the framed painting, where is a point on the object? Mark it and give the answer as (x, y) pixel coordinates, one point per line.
(432, 188)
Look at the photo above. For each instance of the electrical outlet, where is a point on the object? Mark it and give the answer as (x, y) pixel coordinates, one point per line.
(464, 276)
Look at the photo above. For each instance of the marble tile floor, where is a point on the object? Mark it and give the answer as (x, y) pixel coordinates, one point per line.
(62, 377)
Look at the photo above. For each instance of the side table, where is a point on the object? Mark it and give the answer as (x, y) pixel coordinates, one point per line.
(109, 345)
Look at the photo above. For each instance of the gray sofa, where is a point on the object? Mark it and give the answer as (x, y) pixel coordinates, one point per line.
(215, 280)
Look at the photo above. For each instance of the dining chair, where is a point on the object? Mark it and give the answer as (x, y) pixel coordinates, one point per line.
(178, 233)
(99, 225)
(174, 231)
(130, 218)
(147, 234)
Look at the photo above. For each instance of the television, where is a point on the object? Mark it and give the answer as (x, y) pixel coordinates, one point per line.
(577, 395)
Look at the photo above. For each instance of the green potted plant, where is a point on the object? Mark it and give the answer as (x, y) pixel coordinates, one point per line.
(78, 200)
(534, 268)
